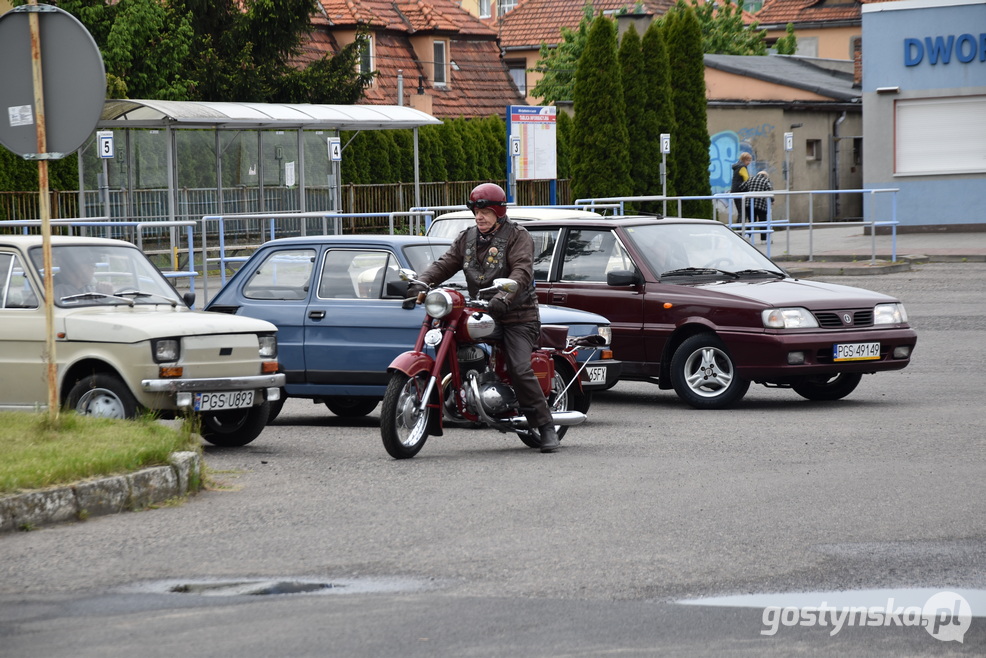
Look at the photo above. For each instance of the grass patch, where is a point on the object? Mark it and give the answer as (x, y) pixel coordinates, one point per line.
(39, 454)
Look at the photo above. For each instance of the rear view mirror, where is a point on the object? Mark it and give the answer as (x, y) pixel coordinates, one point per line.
(623, 278)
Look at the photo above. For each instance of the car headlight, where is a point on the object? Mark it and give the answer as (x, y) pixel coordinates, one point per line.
(438, 304)
(606, 332)
(889, 314)
(166, 350)
(268, 346)
(788, 318)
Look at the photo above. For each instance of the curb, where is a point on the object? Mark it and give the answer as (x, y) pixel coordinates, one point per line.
(807, 269)
(107, 495)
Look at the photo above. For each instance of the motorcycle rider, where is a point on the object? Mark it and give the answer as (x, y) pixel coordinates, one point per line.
(499, 248)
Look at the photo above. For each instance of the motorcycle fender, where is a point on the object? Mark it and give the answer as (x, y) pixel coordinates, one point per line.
(413, 364)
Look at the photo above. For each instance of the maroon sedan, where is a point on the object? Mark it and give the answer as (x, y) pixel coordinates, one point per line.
(696, 308)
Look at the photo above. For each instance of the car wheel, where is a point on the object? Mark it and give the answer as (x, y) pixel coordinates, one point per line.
(703, 373)
(103, 396)
(828, 387)
(236, 427)
(350, 407)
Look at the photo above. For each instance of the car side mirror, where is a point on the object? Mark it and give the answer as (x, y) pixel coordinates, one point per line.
(189, 299)
(624, 278)
(396, 289)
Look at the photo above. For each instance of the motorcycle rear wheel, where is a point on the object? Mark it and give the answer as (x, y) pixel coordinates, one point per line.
(403, 426)
(556, 402)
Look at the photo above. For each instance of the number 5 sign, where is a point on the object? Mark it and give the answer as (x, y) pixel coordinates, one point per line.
(105, 138)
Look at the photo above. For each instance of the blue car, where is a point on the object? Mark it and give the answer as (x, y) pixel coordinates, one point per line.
(336, 301)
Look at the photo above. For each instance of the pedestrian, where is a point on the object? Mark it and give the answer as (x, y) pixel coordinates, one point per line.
(760, 183)
(499, 248)
(741, 174)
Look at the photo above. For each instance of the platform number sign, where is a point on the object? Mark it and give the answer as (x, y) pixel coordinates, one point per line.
(788, 141)
(665, 142)
(335, 149)
(105, 138)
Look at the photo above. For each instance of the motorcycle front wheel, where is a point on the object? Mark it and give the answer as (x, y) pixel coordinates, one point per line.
(404, 416)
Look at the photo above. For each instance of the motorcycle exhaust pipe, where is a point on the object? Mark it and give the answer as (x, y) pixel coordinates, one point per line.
(564, 418)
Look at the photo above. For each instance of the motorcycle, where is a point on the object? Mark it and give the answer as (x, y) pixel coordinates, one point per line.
(467, 380)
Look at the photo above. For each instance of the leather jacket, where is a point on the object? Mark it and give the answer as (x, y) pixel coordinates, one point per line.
(508, 254)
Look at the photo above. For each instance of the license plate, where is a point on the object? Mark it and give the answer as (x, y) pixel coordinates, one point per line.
(855, 351)
(596, 374)
(225, 400)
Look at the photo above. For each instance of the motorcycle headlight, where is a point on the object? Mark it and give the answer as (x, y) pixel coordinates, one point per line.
(438, 304)
(889, 314)
(788, 318)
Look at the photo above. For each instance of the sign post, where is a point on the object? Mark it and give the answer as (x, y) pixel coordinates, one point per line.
(53, 92)
(335, 178)
(788, 147)
(665, 149)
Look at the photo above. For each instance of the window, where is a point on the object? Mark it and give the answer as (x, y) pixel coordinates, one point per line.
(439, 59)
(356, 274)
(590, 254)
(366, 56)
(506, 5)
(284, 274)
(518, 73)
(15, 288)
(484, 9)
(940, 135)
(813, 149)
(544, 245)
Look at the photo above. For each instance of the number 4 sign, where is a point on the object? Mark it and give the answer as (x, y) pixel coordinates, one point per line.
(105, 138)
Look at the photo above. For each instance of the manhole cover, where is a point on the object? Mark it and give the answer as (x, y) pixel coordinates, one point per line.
(251, 587)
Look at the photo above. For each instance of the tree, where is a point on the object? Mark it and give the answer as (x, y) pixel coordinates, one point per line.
(787, 44)
(690, 151)
(644, 133)
(558, 64)
(657, 81)
(600, 150)
(145, 45)
(723, 30)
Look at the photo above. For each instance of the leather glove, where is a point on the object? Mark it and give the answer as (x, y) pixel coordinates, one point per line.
(413, 292)
(498, 307)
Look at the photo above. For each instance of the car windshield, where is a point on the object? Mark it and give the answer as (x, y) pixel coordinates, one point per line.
(449, 228)
(420, 256)
(686, 250)
(92, 275)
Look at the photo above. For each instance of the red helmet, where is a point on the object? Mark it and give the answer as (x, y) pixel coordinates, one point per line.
(488, 195)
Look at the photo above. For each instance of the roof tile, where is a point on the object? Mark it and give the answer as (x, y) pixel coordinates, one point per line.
(776, 12)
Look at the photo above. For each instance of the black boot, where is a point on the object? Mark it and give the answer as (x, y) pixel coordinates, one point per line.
(549, 438)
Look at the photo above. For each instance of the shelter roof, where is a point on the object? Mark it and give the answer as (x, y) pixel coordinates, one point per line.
(830, 78)
(245, 116)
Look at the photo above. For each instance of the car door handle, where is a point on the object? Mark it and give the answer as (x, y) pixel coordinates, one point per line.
(316, 315)
(558, 297)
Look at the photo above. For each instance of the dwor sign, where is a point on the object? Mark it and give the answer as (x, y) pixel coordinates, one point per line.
(964, 47)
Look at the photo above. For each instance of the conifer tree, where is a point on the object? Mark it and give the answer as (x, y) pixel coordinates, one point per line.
(644, 145)
(600, 153)
(689, 159)
(657, 81)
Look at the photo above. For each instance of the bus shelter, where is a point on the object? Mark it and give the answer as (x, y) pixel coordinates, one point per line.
(178, 160)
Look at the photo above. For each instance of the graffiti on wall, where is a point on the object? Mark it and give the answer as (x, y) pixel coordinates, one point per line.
(724, 150)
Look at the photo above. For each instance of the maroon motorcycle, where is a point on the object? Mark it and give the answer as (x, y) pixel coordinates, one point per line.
(467, 380)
